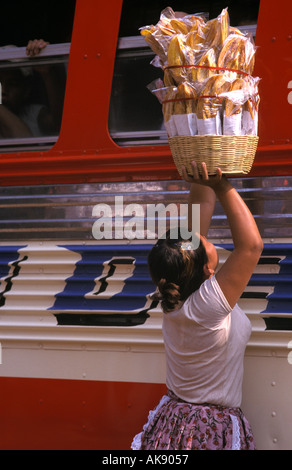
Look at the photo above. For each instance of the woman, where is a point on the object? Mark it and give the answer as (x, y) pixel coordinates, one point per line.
(205, 332)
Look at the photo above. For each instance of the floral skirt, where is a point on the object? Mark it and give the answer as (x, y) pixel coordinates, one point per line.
(178, 425)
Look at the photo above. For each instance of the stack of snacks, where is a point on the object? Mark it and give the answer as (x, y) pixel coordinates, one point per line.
(207, 88)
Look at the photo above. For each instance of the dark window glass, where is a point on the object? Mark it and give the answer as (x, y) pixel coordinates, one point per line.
(33, 88)
(21, 21)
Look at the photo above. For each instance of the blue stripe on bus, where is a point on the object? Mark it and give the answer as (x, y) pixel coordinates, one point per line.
(133, 294)
(135, 286)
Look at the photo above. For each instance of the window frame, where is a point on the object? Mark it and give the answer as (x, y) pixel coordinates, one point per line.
(15, 57)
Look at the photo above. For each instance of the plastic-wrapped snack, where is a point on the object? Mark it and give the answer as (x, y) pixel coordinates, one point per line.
(232, 114)
(177, 57)
(178, 107)
(170, 24)
(168, 112)
(249, 118)
(209, 105)
(159, 36)
(238, 54)
(179, 26)
(206, 66)
(204, 43)
(195, 22)
(216, 31)
(185, 117)
(156, 41)
(250, 111)
(195, 40)
(240, 108)
(167, 97)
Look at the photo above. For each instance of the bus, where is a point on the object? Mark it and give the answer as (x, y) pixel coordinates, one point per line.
(81, 351)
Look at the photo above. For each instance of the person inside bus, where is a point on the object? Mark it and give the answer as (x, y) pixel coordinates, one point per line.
(14, 94)
(20, 116)
(205, 332)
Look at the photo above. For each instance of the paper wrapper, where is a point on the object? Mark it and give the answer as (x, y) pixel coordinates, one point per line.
(186, 124)
(232, 125)
(249, 123)
(171, 127)
(210, 126)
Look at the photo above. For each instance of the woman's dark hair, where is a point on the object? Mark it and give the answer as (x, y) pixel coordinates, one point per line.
(177, 272)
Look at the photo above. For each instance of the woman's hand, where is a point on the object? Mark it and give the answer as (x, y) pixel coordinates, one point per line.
(205, 179)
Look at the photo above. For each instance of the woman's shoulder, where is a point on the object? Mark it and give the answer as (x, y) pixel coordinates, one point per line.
(208, 304)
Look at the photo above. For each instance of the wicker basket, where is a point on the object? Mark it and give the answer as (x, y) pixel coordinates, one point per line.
(233, 154)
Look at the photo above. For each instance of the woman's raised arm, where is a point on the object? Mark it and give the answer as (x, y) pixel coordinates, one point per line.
(235, 273)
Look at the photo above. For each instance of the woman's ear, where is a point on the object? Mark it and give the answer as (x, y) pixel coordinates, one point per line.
(208, 272)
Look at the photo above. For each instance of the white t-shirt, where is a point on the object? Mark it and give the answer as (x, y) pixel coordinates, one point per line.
(205, 342)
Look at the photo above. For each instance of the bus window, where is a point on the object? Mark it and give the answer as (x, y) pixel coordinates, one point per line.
(32, 89)
(135, 116)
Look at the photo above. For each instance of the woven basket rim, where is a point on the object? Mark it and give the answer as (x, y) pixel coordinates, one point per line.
(233, 154)
(215, 137)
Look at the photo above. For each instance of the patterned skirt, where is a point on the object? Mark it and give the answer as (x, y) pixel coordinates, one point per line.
(178, 425)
